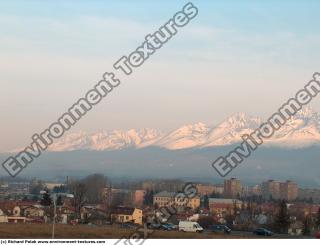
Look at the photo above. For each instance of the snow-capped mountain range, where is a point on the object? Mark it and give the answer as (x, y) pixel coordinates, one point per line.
(303, 129)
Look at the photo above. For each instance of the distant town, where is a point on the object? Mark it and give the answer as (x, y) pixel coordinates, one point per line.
(279, 206)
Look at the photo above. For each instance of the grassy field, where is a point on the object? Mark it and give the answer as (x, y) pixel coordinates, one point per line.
(82, 231)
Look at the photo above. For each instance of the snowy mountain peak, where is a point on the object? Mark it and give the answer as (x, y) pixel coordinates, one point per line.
(107, 140)
(302, 129)
(306, 112)
(192, 128)
(241, 120)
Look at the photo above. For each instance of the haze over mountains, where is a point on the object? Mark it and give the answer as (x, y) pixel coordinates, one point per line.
(302, 130)
(187, 152)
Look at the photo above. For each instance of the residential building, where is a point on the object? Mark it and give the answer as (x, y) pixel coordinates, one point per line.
(270, 189)
(10, 212)
(33, 211)
(164, 198)
(309, 194)
(256, 190)
(171, 185)
(127, 215)
(50, 185)
(218, 189)
(205, 189)
(288, 190)
(10, 208)
(221, 205)
(279, 190)
(192, 203)
(232, 188)
(17, 219)
(118, 197)
(3, 217)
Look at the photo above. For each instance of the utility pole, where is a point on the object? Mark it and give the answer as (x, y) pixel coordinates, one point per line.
(54, 213)
(54, 199)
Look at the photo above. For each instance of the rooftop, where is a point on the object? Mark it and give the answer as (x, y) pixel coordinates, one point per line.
(165, 194)
(224, 200)
(123, 210)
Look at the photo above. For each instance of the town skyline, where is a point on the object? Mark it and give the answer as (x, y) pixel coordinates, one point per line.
(163, 205)
(229, 187)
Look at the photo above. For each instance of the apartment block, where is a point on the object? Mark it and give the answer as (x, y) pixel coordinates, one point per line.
(279, 190)
(270, 189)
(288, 190)
(232, 188)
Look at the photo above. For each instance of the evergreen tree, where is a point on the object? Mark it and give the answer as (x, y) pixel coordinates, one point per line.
(148, 198)
(215, 195)
(59, 201)
(282, 219)
(235, 208)
(205, 201)
(46, 199)
(306, 226)
(318, 219)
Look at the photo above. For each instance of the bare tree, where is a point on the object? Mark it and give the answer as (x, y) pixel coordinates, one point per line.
(95, 185)
(79, 190)
(89, 190)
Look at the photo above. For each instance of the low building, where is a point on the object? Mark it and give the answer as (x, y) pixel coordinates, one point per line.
(192, 203)
(10, 208)
(3, 217)
(33, 212)
(127, 215)
(309, 195)
(17, 219)
(10, 212)
(220, 205)
(218, 189)
(91, 214)
(205, 189)
(51, 185)
(255, 190)
(119, 197)
(295, 228)
(166, 198)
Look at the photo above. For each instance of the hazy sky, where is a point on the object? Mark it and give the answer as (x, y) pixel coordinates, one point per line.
(248, 56)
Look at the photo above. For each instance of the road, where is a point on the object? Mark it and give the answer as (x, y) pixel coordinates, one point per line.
(249, 234)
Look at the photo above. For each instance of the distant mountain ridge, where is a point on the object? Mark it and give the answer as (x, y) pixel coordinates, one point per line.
(188, 152)
(303, 129)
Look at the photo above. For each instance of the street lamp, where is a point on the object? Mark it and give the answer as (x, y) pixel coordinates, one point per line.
(54, 199)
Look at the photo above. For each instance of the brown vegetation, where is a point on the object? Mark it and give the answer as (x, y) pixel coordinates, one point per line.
(83, 231)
